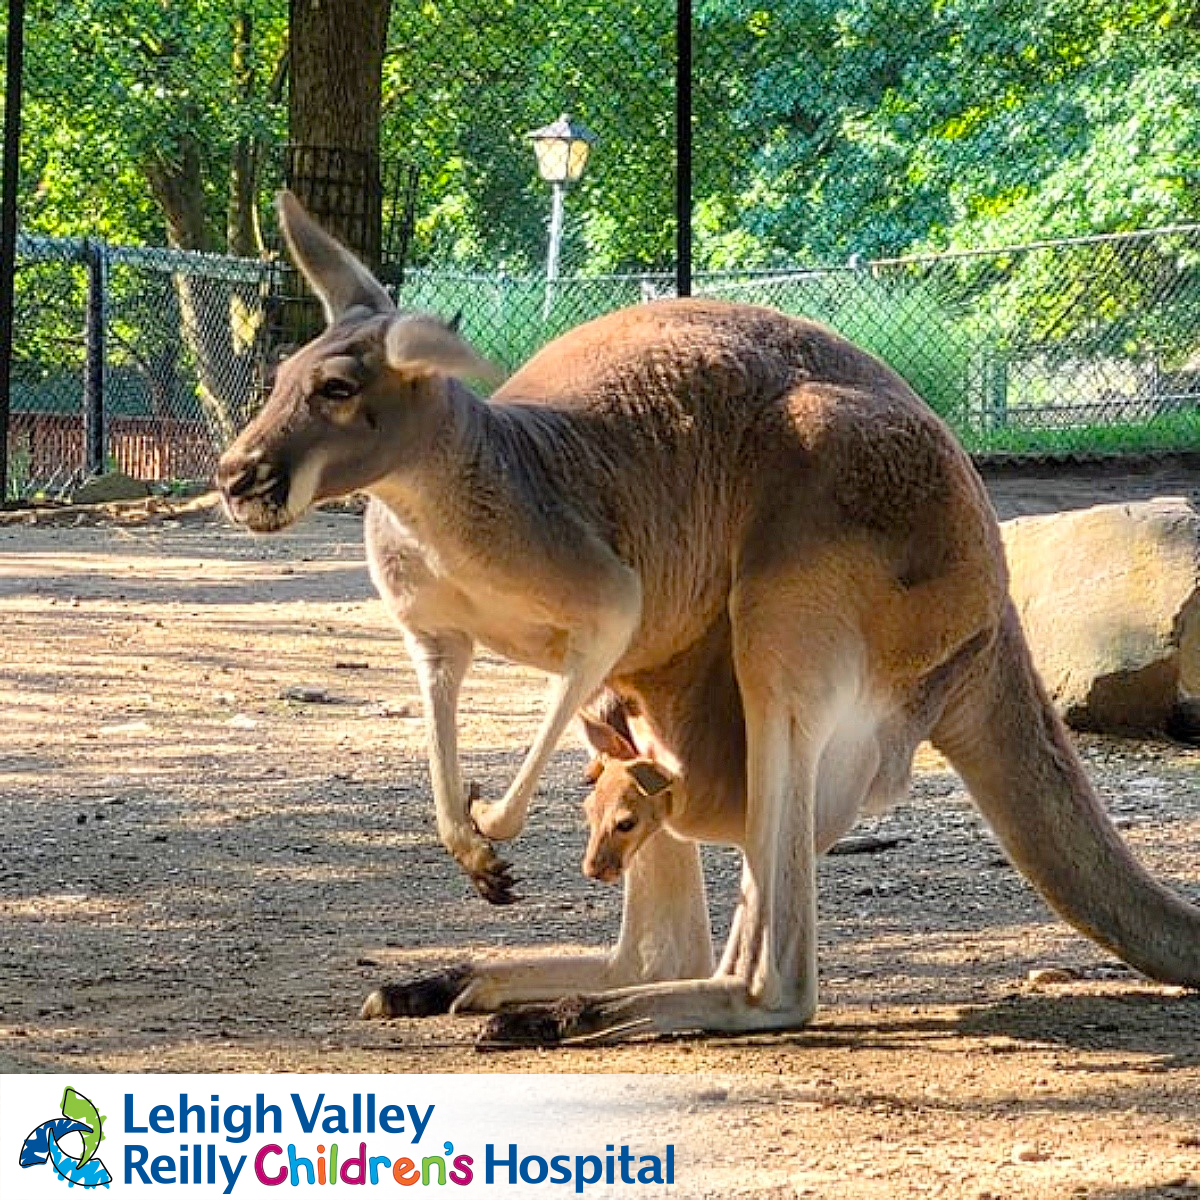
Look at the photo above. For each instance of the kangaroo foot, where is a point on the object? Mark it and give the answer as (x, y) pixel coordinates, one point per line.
(424, 995)
(717, 1005)
(533, 1025)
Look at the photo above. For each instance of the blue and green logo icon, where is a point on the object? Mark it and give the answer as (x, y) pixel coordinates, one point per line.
(79, 1115)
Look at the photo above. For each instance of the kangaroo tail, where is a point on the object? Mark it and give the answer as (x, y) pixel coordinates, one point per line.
(1002, 735)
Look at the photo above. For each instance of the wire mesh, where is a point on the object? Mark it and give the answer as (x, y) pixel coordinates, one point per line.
(844, 156)
(1075, 345)
(180, 345)
(46, 426)
(185, 334)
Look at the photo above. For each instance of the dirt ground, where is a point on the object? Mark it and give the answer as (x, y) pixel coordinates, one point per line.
(199, 873)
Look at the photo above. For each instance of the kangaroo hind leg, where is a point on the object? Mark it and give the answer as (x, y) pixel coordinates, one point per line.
(664, 935)
(794, 687)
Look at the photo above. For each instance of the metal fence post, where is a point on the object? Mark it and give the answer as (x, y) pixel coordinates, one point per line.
(683, 147)
(96, 259)
(14, 65)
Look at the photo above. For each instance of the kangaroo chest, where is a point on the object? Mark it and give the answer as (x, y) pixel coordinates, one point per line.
(422, 596)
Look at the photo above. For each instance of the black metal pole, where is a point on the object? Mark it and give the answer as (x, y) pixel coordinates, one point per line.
(93, 370)
(13, 63)
(683, 147)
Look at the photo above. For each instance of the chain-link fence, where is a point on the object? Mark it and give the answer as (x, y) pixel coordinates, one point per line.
(1077, 345)
(47, 427)
(850, 163)
(1082, 345)
(140, 360)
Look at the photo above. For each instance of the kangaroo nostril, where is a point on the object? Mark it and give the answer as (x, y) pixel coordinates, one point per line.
(237, 479)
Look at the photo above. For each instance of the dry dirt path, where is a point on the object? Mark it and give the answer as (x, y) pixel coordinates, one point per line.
(198, 873)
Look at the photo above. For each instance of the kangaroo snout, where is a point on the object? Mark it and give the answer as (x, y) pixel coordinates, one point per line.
(605, 867)
(255, 490)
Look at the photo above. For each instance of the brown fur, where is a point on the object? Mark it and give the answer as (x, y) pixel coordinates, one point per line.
(681, 496)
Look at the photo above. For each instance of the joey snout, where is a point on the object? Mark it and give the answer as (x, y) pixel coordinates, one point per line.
(603, 864)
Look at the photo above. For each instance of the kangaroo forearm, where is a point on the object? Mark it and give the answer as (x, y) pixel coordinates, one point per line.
(595, 652)
(441, 663)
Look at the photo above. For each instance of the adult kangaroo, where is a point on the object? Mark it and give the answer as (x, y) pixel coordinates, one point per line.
(661, 481)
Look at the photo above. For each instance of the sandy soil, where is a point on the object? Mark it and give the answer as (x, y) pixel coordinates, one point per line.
(199, 873)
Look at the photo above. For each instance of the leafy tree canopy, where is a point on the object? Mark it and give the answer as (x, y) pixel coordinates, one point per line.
(823, 127)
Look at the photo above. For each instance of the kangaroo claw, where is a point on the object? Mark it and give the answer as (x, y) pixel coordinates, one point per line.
(494, 881)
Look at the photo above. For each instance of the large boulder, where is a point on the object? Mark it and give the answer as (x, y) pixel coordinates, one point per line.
(1110, 601)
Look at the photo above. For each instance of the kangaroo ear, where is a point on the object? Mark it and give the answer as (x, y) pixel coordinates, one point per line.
(650, 777)
(604, 739)
(422, 345)
(340, 281)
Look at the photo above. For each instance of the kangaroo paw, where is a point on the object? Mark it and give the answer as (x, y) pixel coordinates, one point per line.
(490, 874)
(493, 879)
(427, 995)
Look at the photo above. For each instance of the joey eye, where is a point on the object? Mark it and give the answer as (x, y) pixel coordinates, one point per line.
(337, 389)
(626, 824)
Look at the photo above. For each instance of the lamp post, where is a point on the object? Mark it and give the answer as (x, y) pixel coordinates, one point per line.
(562, 152)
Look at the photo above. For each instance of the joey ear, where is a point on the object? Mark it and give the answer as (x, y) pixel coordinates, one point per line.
(340, 281)
(424, 345)
(650, 777)
(604, 739)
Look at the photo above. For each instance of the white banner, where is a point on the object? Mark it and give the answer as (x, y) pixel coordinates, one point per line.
(250, 1135)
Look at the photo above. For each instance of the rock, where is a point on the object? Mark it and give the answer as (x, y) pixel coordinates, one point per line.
(1043, 975)
(1110, 600)
(111, 486)
(1027, 1152)
(306, 695)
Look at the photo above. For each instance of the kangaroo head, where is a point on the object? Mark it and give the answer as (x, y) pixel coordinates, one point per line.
(361, 401)
(630, 800)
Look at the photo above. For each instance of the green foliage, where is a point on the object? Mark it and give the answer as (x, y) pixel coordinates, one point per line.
(116, 86)
(883, 126)
(464, 83)
(823, 127)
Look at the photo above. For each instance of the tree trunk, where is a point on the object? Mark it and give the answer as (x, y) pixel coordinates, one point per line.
(336, 95)
(206, 304)
(242, 234)
(178, 185)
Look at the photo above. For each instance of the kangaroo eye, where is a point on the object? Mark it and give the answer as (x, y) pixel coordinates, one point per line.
(626, 824)
(337, 389)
